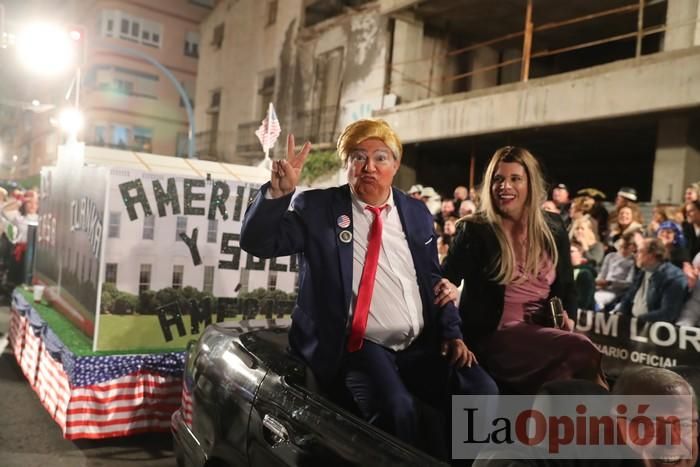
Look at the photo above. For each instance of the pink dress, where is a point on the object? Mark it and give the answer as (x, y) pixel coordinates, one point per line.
(521, 356)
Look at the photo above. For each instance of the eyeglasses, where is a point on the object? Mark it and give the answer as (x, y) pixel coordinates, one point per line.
(379, 158)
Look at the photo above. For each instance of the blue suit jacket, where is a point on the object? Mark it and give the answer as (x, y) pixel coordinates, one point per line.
(665, 296)
(320, 320)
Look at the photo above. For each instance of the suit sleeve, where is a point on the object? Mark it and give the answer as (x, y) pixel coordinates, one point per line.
(671, 302)
(448, 316)
(270, 229)
(457, 258)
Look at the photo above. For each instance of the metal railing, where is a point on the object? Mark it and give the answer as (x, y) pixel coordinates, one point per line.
(316, 125)
(246, 141)
(528, 52)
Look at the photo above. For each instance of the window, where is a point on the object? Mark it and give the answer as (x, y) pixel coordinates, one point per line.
(218, 37)
(208, 285)
(143, 138)
(123, 87)
(180, 227)
(178, 272)
(192, 44)
(111, 273)
(149, 227)
(271, 280)
(215, 100)
(212, 230)
(114, 224)
(131, 28)
(271, 12)
(120, 135)
(144, 278)
(266, 91)
(100, 135)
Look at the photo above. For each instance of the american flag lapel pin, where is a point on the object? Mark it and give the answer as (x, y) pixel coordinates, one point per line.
(343, 221)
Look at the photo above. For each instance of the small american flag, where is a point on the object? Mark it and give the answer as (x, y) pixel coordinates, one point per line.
(269, 130)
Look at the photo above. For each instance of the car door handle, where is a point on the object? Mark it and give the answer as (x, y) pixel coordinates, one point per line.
(276, 428)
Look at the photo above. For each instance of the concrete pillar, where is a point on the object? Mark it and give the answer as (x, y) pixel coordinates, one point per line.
(677, 162)
(408, 49)
(481, 58)
(682, 23)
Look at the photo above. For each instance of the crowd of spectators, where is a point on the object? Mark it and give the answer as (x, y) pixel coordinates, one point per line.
(623, 263)
(18, 220)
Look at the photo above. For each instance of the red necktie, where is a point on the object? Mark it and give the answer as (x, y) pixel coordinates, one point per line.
(369, 271)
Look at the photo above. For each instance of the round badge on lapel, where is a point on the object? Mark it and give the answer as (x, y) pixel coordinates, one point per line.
(345, 236)
(343, 221)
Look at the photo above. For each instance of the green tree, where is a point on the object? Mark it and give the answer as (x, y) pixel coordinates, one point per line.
(318, 164)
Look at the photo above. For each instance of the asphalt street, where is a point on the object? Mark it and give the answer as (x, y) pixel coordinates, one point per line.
(29, 437)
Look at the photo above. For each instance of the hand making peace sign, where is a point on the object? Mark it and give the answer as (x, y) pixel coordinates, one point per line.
(285, 173)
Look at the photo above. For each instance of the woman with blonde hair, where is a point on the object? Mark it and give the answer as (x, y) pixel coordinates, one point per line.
(514, 258)
(628, 219)
(584, 231)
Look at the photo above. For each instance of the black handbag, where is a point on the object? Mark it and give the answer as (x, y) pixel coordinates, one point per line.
(551, 315)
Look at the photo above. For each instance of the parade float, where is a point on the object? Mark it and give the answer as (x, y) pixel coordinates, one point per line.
(135, 254)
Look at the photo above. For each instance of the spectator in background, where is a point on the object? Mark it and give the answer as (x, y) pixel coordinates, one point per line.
(616, 273)
(443, 246)
(591, 200)
(690, 315)
(629, 219)
(672, 238)
(474, 195)
(664, 212)
(549, 206)
(560, 196)
(659, 289)
(466, 208)
(583, 231)
(691, 227)
(584, 278)
(625, 196)
(460, 194)
(450, 226)
(447, 209)
(431, 199)
(415, 191)
(692, 193)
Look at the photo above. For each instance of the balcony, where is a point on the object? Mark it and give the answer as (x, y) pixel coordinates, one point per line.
(143, 147)
(316, 125)
(246, 141)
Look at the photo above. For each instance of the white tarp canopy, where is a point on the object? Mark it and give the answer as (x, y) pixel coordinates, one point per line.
(154, 163)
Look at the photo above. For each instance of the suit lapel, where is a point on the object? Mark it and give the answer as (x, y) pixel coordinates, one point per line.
(342, 206)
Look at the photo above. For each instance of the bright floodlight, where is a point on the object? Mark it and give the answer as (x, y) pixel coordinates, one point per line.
(71, 121)
(45, 48)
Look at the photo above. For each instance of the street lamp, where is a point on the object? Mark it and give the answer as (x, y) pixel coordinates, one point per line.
(45, 48)
(71, 121)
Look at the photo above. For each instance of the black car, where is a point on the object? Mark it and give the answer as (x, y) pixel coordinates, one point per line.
(247, 401)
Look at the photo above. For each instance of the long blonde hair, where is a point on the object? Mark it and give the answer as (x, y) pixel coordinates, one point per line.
(540, 240)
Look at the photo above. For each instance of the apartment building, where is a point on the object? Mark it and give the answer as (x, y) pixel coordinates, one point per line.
(129, 102)
(321, 63)
(601, 91)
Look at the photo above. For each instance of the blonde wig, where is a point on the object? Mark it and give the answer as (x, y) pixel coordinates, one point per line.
(540, 240)
(361, 130)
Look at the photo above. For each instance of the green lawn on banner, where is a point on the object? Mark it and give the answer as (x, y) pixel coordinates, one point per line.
(143, 332)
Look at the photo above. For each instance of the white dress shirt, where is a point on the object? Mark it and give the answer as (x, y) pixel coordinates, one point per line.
(396, 311)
